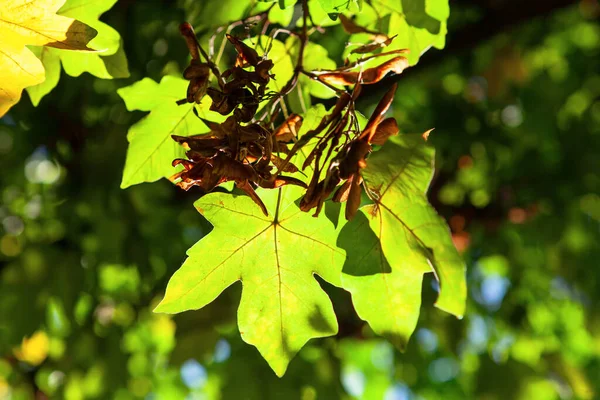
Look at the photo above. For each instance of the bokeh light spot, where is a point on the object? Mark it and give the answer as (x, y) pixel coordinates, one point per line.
(443, 370)
(354, 382)
(397, 392)
(193, 374)
(222, 351)
(512, 116)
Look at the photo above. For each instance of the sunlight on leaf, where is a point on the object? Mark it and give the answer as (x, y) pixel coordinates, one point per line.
(109, 63)
(393, 242)
(282, 304)
(33, 23)
(417, 25)
(151, 148)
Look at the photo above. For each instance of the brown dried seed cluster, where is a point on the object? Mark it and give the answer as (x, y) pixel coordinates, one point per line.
(346, 166)
(234, 150)
(248, 152)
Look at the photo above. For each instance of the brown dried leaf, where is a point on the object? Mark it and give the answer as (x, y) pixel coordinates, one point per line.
(187, 164)
(200, 174)
(246, 113)
(200, 143)
(196, 69)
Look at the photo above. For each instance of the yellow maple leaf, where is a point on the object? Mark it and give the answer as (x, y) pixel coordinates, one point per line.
(33, 22)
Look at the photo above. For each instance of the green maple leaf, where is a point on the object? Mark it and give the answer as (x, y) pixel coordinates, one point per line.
(417, 26)
(315, 57)
(390, 244)
(336, 6)
(151, 149)
(416, 37)
(108, 63)
(276, 257)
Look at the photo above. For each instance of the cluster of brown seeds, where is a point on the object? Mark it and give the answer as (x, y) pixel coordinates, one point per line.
(253, 154)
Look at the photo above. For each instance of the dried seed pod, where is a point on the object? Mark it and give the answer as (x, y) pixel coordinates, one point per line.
(353, 201)
(279, 163)
(382, 107)
(289, 129)
(378, 43)
(189, 35)
(246, 153)
(352, 27)
(388, 127)
(368, 76)
(249, 190)
(341, 195)
(246, 54)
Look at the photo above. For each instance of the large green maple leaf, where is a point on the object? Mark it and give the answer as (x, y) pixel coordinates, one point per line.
(275, 257)
(417, 26)
(151, 149)
(108, 63)
(393, 242)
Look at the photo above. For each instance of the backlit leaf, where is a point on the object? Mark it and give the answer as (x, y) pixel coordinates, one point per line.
(393, 242)
(151, 149)
(335, 6)
(51, 63)
(109, 63)
(417, 24)
(315, 57)
(438, 9)
(275, 257)
(34, 23)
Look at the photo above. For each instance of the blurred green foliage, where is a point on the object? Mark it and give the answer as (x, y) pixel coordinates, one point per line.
(82, 262)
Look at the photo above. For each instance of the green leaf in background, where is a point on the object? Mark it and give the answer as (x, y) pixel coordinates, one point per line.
(110, 62)
(282, 304)
(283, 4)
(210, 14)
(336, 6)
(358, 355)
(393, 242)
(417, 24)
(56, 318)
(438, 9)
(417, 29)
(315, 57)
(283, 68)
(51, 60)
(151, 149)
